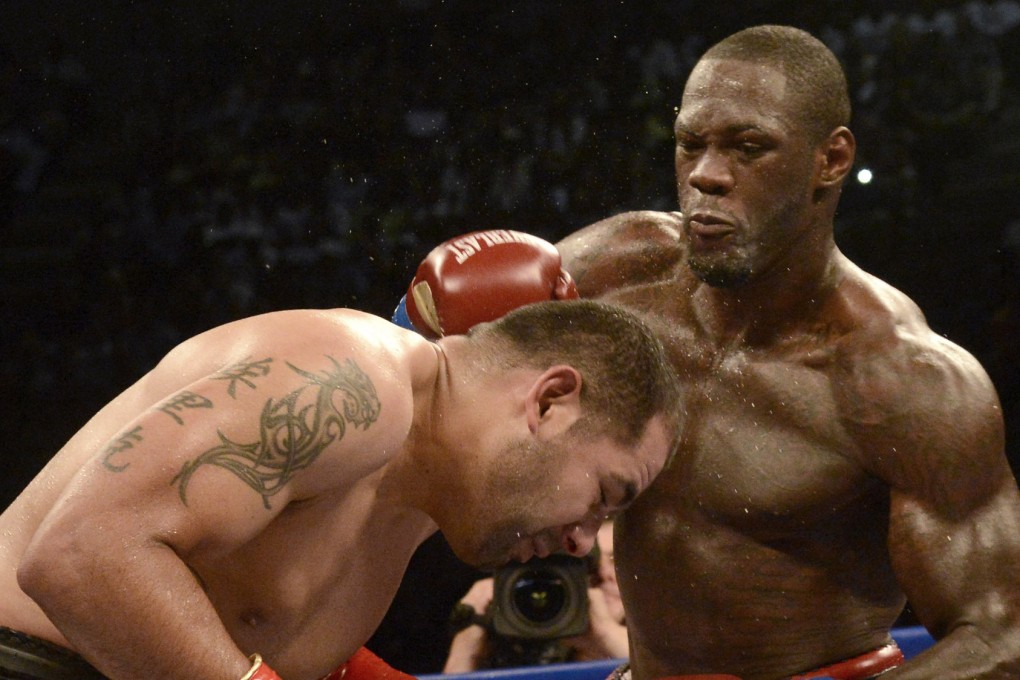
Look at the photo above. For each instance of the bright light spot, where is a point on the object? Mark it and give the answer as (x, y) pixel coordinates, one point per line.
(864, 176)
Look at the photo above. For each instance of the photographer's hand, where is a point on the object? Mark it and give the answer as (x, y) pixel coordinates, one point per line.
(469, 647)
(606, 637)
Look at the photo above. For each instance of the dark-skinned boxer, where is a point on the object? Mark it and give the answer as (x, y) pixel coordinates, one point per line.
(838, 457)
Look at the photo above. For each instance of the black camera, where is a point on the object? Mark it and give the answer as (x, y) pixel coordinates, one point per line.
(542, 599)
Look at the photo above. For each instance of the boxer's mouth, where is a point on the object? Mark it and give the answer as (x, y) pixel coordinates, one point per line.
(709, 225)
(538, 550)
(526, 549)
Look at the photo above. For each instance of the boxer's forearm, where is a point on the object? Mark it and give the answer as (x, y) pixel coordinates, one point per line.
(133, 613)
(964, 654)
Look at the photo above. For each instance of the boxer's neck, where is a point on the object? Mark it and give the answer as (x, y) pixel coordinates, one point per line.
(770, 304)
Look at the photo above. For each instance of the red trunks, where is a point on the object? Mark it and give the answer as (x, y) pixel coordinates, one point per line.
(860, 667)
(365, 665)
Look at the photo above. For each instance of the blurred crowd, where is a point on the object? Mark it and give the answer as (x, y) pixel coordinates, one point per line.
(167, 167)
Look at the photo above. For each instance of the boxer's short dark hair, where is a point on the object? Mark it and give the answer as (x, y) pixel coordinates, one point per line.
(627, 377)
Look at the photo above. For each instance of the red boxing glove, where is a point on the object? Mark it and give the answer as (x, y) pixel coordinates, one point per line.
(365, 665)
(480, 277)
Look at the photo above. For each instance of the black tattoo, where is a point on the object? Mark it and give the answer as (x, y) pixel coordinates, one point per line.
(181, 401)
(122, 443)
(244, 371)
(292, 434)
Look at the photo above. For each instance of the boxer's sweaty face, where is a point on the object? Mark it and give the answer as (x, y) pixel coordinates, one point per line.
(541, 497)
(520, 501)
(744, 171)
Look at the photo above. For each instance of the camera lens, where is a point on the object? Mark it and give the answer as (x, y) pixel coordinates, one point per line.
(544, 599)
(539, 595)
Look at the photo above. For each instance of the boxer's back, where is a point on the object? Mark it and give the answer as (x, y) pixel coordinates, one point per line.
(762, 550)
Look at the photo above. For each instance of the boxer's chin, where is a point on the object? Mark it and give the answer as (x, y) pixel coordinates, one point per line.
(719, 274)
(490, 554)
(489, 562)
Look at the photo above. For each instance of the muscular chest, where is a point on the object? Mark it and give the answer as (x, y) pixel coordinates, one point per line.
(316, 583)
(762, 445)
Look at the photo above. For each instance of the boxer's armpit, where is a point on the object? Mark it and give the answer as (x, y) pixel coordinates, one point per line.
(293, 430)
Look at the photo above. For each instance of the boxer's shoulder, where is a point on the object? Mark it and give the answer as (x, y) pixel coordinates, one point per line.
(627, 249)
(883, 327)
(341, 377)
(620, 234)
(305, 336)
(900, 385)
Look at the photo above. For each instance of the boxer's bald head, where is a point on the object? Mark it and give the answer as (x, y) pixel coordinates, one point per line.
(816, 81)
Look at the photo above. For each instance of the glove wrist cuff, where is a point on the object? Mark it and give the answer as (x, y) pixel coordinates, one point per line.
(259, 670)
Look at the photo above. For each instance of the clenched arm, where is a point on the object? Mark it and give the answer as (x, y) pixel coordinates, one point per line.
(196, 476)
(954, 535)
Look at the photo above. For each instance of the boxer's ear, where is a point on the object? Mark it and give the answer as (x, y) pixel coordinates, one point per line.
(836, 157)
(554, 401)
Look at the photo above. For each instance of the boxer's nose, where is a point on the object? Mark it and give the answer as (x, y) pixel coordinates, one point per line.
(579, 538)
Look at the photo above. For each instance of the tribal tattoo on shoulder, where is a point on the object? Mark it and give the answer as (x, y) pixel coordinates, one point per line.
(294, 430)
(245, 372)
(181, 401)
(123, 442)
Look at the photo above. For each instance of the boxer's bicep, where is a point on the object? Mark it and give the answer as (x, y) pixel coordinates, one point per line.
(212, 464)
(185, 471)
(954, 508)
(957, 570)
(111, 565)
(301, 436)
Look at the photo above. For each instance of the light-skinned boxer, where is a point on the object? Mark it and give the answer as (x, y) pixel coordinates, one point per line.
(247, 509)
(838, 458)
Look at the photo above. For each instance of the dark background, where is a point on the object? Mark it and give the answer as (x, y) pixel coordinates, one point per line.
(166, 167)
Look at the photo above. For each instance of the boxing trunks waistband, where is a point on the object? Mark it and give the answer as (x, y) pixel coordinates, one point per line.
(867, 666)
(26, 657)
